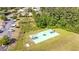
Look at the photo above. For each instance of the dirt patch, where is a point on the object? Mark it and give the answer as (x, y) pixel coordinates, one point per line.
(15, 34)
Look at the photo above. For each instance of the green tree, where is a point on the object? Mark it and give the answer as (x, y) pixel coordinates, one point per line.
(3, 17)
(42, 21)
(62, 17)
(5, 40)
(1, 42)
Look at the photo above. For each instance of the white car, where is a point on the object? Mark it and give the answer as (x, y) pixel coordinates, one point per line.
(14, 20)
(13, 25)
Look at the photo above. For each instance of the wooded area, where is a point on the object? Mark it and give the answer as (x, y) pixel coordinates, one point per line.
(59, 17)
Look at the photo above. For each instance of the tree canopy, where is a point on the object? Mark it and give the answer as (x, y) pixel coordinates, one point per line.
(60, 17)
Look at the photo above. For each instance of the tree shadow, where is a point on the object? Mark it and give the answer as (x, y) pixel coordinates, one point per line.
(12, 40)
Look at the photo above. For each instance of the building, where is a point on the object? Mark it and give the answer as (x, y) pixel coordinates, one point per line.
(23, 11)
(36, 9)
(30, 14)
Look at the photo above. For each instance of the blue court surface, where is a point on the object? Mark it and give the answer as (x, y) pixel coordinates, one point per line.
(44, 35)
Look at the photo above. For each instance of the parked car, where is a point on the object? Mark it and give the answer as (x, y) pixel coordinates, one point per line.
(14, 20)
(1, 29)
(11, 29)
(6, 22)
(7, 19)
(13, 25)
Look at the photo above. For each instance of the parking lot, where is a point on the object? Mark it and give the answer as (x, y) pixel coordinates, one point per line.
(6, 31)
(7, 28)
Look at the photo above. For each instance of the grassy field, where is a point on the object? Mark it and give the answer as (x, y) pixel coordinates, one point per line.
(66, 41)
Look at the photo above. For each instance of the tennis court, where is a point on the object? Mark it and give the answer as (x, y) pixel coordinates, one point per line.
(44, 35)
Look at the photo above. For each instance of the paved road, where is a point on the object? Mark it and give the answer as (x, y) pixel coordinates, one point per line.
(3, 48)
(8, 25)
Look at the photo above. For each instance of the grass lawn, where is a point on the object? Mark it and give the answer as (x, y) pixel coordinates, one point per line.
(65, 41)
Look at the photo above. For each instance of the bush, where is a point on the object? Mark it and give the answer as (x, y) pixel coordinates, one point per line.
(5, 40)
